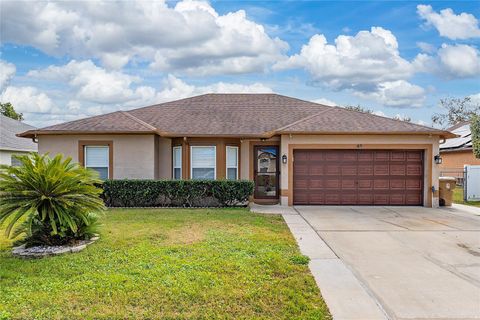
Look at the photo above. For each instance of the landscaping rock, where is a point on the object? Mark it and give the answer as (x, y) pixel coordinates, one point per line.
(45, 251)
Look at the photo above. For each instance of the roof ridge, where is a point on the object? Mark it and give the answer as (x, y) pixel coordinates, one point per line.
(303, 119)
(385, 117)
(143, 123)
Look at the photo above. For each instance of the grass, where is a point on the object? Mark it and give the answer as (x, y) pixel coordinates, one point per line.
(168, 264)
(458, 198)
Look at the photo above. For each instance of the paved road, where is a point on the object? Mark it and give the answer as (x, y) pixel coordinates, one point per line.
(417, 263)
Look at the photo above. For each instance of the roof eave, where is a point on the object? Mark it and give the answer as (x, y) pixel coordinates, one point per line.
(34, 133)
(441, 134)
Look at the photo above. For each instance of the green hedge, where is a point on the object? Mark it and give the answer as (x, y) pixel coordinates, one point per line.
(176, 193)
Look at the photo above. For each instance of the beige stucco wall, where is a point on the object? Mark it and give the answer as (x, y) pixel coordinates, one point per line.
(381, 140)
(133, 155)
(164, 158)
(6, 156)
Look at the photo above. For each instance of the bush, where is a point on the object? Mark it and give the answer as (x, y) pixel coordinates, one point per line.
(51, 201)
(176, 193)
(475, 128)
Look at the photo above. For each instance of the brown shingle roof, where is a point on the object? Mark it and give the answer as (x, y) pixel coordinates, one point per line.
(244, 115)
(115, 122)
(340, 120)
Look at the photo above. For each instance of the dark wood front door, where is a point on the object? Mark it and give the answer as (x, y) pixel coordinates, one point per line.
(358, 177)
(266, 172)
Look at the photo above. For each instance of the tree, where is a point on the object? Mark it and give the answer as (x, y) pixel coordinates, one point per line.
(457, 110)
(475, 129)
(359, 108)
(57, 200)
(7, 110)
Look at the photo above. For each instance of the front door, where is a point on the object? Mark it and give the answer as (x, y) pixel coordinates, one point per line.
(266, 172)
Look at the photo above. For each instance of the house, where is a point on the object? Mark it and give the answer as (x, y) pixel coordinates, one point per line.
(457, 152)
(10, 144)
(297, 152)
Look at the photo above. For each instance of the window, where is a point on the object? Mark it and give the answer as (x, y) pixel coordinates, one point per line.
(97, 158)
(177, 163)
(203, 160)
(14, 161)
(232, 163)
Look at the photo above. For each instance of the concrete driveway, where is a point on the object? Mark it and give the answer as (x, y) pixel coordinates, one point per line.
(417, 263)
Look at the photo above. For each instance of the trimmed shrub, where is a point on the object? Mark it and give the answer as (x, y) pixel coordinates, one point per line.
(176, 193)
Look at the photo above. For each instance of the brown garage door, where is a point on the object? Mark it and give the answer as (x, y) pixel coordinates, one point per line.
(358, 177)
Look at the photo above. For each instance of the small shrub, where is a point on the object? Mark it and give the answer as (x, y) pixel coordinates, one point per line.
(51, 201)
(177, 193)
(300, 259)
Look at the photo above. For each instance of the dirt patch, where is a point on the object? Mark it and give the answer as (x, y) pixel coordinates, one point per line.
(188, 234)
(469, 250)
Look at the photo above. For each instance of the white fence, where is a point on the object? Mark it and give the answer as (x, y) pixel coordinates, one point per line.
(471, 191)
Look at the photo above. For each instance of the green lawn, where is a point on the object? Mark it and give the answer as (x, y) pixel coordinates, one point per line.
(458, 198)
(168, 264)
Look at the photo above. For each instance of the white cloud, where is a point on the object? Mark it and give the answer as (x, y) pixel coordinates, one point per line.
(92, 83)
(399, 94)
(92, 90)
(451, 61)
(357, 62)
(27, 99)
(450, 25)
(7, 71)
(426, 47)
(189, 37)
(325, 101)
(475, 98)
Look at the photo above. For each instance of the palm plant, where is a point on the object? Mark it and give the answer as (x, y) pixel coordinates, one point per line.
(52, 200)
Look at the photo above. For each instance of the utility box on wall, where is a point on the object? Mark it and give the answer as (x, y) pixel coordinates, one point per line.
(471, 190)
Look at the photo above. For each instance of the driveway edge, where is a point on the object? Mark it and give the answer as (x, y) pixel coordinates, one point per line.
(342, 291)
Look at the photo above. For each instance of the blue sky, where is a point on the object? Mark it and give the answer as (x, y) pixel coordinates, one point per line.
(62, 61)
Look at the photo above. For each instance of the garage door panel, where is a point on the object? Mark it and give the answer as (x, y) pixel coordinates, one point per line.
(332, 184)
(397, 156)
(316, 170)
(397, 184)
(349, 198)
(414, 170)
(332, 198)
(366, 177)
(365, 198)
(397, 169)
(414, 156)
(365, 184)
(315, 183)
(349, 170)
(381, 170)
(365, 169)
(397, 199)
(349, 184)
(381, 184)
(413, 184)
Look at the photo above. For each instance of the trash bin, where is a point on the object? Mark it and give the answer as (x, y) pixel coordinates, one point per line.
(446, 186)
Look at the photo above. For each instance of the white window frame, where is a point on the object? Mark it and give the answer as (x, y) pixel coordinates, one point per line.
(226, 163)
(85, 147)
(173, 163)
(215, 160)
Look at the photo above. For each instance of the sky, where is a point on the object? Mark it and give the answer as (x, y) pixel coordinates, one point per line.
(61, 61)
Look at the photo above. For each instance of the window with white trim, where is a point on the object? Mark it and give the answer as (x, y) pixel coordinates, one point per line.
(177, 163)
(14, 161)
(232, 163)
(203, 161)
(97, 158)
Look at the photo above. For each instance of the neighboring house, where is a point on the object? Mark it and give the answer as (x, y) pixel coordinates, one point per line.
(297, 152)
(457, 152)
(10, 144)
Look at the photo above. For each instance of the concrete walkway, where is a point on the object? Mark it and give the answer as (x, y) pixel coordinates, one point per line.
(344, 294)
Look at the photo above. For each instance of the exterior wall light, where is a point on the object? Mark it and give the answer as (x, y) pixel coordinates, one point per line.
(438, 159)
(284, 159)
